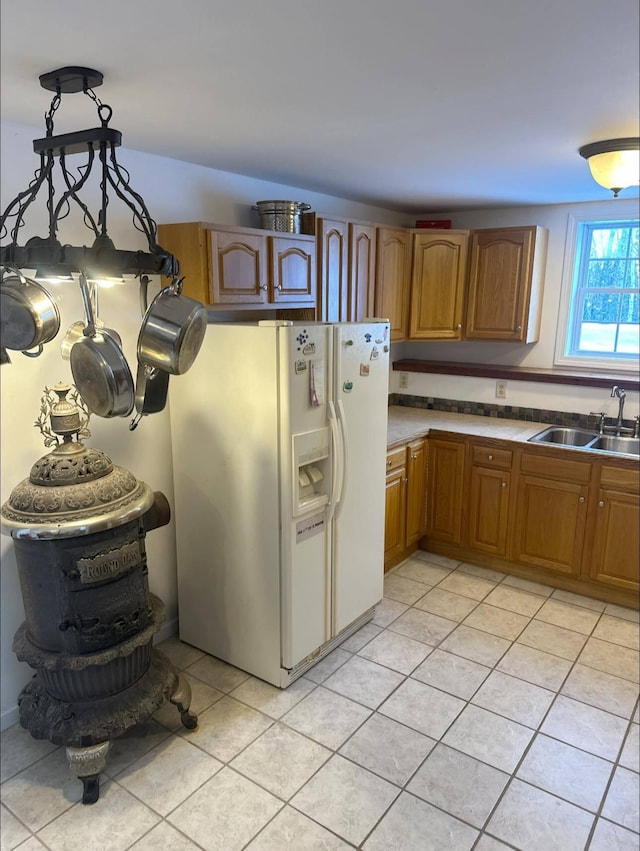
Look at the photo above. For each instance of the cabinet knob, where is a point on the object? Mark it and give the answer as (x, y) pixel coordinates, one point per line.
(405, 481)
(581, 499)
(518, 327)
(413, 457)
(490, 457)
(458, 327)
(601, 504)
(503, 484)
(264, 287)
(279, 287)
(388, 463)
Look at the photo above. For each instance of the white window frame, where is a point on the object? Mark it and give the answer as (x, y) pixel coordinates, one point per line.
(612, 211)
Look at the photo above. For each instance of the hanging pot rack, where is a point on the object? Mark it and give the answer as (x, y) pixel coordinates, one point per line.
(47, 254)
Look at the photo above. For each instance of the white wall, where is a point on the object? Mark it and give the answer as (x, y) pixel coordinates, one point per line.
(174, 191)
(540, 354)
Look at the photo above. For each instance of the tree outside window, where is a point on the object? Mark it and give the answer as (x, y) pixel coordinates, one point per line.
(604, 317)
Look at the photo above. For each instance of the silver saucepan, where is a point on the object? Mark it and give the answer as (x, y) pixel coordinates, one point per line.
(172, 330)
(100, 370)
(29, 315)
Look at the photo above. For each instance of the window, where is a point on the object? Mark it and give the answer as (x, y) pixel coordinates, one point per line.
(601, 327)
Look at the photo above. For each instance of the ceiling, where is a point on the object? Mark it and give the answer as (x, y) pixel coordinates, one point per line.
(413, 105)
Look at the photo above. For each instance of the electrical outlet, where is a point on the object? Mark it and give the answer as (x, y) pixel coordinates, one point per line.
(403, 380)
(501, 389)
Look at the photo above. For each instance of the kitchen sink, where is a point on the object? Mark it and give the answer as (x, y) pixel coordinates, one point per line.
(564, 436)
(580, 438)
(610, 443)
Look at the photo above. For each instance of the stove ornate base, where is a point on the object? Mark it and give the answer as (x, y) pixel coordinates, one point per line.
(86, 727)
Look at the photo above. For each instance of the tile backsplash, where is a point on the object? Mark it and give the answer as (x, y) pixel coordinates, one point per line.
(506, 412)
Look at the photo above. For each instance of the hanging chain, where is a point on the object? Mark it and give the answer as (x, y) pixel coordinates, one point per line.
(103, 108)
(55, 103)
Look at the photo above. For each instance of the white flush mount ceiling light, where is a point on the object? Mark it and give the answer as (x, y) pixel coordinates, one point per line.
(614, 163)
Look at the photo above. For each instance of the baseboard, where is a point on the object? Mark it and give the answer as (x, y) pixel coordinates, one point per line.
(168, 629)
(9, 717)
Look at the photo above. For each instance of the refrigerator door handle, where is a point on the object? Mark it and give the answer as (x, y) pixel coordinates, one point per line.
(336, 459)
(342, 422)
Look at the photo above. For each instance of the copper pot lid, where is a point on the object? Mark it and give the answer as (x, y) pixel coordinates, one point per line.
(74, 490)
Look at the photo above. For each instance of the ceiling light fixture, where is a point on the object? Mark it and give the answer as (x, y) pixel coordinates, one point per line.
(47, 254)
(615, 163)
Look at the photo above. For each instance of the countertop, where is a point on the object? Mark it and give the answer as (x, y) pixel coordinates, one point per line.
(406, 423)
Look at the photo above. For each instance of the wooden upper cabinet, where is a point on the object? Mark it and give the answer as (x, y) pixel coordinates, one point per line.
(362, 267)
(438, 284)
(393, 260)
(227, 266)
(238, 268)
(292, 269)
(506, 277)
(333, 279)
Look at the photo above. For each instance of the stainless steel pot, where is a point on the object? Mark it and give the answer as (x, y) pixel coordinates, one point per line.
(99, 367)
(281, 215)
(172, 330)
(29, 315)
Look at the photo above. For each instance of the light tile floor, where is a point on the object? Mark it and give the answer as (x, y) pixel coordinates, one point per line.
(476, 710)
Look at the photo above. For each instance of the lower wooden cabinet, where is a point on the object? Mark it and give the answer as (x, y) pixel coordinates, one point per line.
(445, 482)
(553, 515)
(489, 499)
(614, 553)
(551, 512)
(404, 501)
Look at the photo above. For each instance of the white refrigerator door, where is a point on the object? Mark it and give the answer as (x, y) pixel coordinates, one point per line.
(305, 490)
(360, 391)
(252, 540)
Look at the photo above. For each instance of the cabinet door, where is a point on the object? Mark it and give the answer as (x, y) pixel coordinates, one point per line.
(445, 490)
(550, 523)
(189, 243)
(393, 260)
(438, 285)
(362, 263)
(394, 516)
(292, 269)
(238, 268)
(489, 510)
(416, 490)
(615, 556)
(502, 285)
(333, 256)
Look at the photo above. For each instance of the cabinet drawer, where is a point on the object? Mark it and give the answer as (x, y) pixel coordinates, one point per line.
(488, 456)
(616, 477)
(396, 458)
(555, 468)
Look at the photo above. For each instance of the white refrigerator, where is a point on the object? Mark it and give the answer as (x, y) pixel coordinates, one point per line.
(279, 435)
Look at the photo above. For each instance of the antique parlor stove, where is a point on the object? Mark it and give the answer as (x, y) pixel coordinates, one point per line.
(78, 525)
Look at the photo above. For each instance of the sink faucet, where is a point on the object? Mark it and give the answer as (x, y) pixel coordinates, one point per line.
(621, 395)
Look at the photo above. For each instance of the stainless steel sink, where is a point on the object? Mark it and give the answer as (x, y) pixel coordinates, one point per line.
(580, 438)
(564, 436)
(610, 443)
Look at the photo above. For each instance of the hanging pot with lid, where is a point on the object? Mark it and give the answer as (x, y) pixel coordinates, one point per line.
(99, 367)
(28, 314)
(172, 331)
